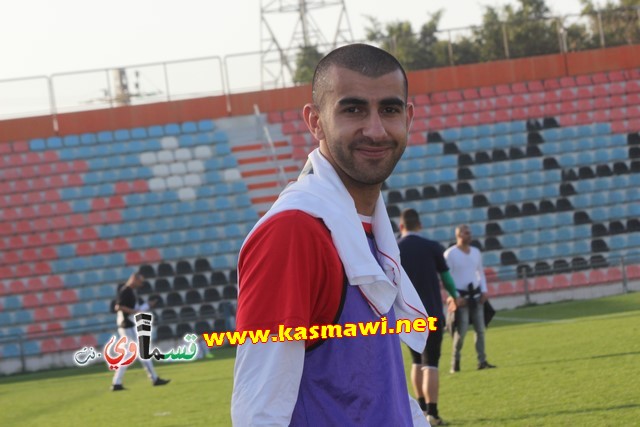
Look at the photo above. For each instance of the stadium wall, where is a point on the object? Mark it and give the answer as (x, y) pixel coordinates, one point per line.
(420, 82)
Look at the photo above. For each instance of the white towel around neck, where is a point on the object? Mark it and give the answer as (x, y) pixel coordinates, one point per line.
(322, 194)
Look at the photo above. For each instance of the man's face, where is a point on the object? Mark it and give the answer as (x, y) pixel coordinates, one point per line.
(464, 235)
(363, 125)
(138, 281)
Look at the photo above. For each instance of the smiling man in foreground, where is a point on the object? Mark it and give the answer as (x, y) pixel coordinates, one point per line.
(325, 253)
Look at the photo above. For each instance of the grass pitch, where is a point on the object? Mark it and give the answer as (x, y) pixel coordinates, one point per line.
(563, 364)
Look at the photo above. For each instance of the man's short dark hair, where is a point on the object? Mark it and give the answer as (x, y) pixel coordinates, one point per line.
(410, 219)
(365, 59)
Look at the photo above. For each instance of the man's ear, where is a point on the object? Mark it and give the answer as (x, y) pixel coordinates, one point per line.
(311, 116)
(410, 113)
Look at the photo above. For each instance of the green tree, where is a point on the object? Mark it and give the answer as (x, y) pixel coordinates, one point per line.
(620, 22)
(306, 60)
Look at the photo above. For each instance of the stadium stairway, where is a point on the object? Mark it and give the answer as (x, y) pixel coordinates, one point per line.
(265, 168)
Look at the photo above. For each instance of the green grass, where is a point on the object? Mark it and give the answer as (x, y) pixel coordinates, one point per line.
(563, 364)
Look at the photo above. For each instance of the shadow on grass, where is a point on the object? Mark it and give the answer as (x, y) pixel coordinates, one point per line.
(597, 356)
(565, 310)
(579, 411)
(99, 368)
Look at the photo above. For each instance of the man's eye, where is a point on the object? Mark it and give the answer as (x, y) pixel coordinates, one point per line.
(352, 109)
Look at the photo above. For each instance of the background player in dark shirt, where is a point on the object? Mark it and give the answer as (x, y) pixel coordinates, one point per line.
(423, 260)
(126, 306)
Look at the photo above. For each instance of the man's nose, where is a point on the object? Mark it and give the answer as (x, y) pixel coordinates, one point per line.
(374, 127)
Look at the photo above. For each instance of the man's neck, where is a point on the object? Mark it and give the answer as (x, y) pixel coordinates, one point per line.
(464, 247)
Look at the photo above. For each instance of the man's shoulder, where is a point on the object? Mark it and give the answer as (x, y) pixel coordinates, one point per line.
(451, 249)
(474, 250)
(293, 219)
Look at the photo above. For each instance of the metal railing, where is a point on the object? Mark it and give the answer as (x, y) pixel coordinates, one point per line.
(242, 72)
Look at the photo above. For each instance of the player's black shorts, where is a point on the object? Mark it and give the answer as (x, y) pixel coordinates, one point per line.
(431, 354)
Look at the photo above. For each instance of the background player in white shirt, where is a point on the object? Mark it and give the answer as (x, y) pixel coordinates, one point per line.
(465, 265)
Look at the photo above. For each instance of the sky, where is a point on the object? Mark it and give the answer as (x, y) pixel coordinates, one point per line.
(45, 37)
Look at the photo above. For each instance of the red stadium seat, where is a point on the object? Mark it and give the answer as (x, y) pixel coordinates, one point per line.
(120, 244)
(470, 119)
(616, 76)
(633, 86)
(579, 279)
(453, 108)
(140, 186)
(87, 340)
(583, 80)
(52, 238)
(619, 126)
(567, 120)
(454, 96)
(41, 314)
(30, 301)
(487, 92)
(112, 217)
(95, 218)
(17, 287)
(49, 298)
(102, 247)
(69, 343)
(417, 138)
(49, 156)
(551, 84)
(567, 82)
(41, 268)
(36, 284)
(48, 253)
(49, 345)
(535, 86)
(452, 121)
(470, 94)
(35, 329)
(438, 98)
(60, 312)
(419, 125)
(619, 113)
(420, 112)
(51, 196)
(470, 106)
(289, 128)
(54, 282)
(291, 115)
(584, 118)
(274, 117)
(6, 272)
(584, 92)
(601, 116)
(298, 153)
(30, 254)
(298, 140)
(541, 284)
(67, 296)
(5, 148)
(502, 288)
(84, 249)
(585, 105)
(435, 110)
(519, 88)
(436, 123)
(421, 99)
(597, 277)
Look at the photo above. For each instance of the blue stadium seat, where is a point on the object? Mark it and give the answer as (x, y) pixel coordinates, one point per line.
(71, 141)
(122, 135)
(205, 125)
